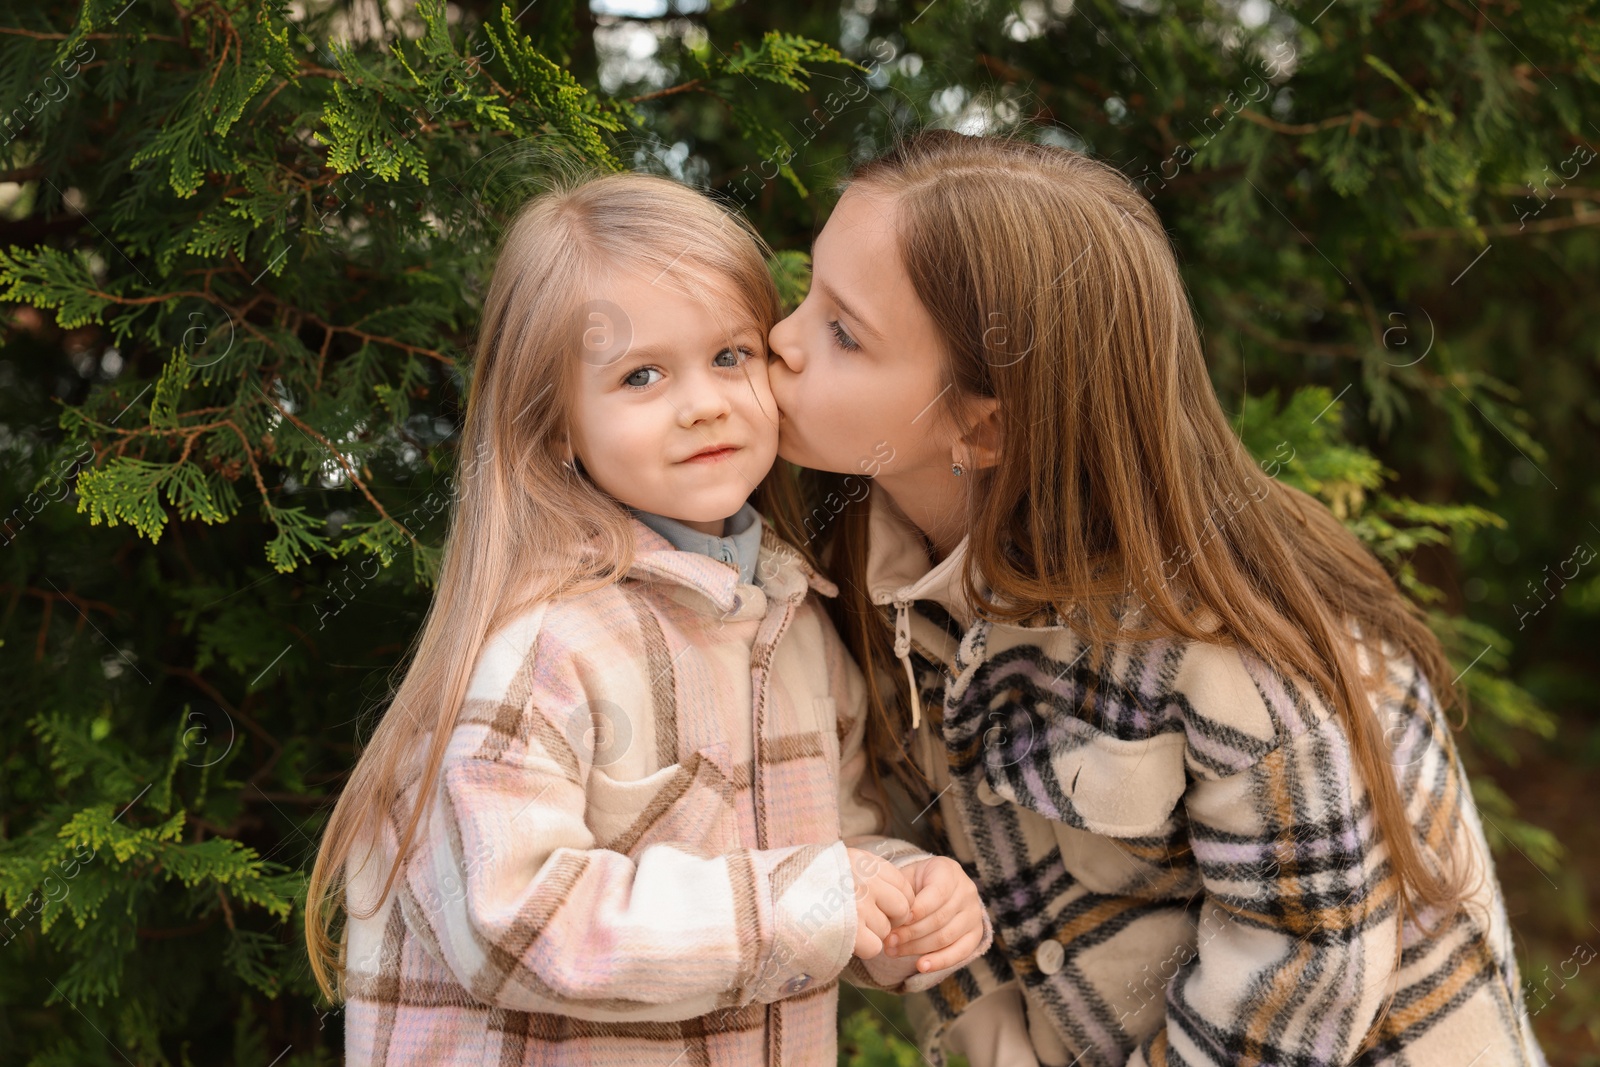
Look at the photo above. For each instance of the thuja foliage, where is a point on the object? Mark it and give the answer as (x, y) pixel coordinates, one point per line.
(277, 236)
(242, 250)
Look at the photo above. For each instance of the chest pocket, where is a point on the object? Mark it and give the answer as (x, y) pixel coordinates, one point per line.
(691, 804)
(1115, 806)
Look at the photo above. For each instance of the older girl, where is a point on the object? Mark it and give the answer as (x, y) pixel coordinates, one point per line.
(611, 815)
(1178, 721)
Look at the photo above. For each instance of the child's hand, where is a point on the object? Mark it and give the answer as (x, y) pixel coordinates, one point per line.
(883, 899)
(946, 920)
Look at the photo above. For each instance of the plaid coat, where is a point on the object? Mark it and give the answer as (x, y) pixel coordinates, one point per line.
(1190, 873)
(608, 873)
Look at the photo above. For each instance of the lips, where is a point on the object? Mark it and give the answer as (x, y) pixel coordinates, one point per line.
(713, 453)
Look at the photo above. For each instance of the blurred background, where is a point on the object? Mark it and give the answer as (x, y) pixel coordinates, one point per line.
(242, 249)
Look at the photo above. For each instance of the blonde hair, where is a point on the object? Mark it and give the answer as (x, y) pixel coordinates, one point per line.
(1055, 290)
(524, 528)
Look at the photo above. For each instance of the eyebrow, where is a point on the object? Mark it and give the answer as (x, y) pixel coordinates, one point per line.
(828, 292)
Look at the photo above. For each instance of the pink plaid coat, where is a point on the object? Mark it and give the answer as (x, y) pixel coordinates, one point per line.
(611, 871)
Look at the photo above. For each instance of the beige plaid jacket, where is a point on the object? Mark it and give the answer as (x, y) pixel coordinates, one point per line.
(635, 854)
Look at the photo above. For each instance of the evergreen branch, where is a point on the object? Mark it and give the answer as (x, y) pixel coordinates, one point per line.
(1570, 192)
(692, 84)
(83, 604)
(160, 298)
(41, 36)
(1506, 229)
(1285, 344)
(296, 541)
(227, 40)
(214, 694)
(1354, 120)
(240, 314)
(190, 432)
(339, 456)
(322, 354)
(249, 455)
(276, 89)
(373, 338)
(129, 490)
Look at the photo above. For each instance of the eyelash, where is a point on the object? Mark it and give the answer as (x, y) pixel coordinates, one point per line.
(743, 351)
(842, 339)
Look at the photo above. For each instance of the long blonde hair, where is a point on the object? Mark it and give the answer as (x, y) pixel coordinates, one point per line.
(1055, 289)
(523, 527)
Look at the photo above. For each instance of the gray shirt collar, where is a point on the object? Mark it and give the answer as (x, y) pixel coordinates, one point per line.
(739, 547)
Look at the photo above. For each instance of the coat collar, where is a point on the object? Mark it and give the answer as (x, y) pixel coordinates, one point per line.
(899, 567)
(781, 571)
(900, 571)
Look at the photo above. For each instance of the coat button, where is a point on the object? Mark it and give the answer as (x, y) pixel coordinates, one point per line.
(1049, 956)
(797, 983)
(987, 794)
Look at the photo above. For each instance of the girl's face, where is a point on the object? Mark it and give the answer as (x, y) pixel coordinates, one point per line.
(858, 361)
(673, 412)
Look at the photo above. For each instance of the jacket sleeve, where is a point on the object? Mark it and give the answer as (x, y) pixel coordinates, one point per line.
(862, 824)
(1296, 940)
(510, 892)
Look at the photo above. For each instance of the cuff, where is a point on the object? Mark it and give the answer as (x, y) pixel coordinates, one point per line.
(813, 908)
(898, 852)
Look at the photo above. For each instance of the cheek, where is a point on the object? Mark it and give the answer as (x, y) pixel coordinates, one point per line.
(605, 435)
(833, 414)
(757, 402)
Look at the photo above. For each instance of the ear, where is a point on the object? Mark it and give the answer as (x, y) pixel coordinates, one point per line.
(979, 447)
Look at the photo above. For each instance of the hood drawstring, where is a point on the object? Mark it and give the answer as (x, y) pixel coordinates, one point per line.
(902, 651)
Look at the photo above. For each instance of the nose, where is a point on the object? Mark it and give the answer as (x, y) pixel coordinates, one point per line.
(782, 340)
(701, 399)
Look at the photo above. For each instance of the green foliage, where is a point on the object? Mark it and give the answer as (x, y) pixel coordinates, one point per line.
(1300, 444)
(792, 272)
(242, 253)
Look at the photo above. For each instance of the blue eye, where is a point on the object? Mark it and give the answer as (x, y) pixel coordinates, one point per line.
(842, 339)
(628, 381)
(740, 354)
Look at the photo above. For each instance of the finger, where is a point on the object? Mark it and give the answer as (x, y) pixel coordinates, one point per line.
(894, 903)
(903, 934)
(868, 945)
(941, 872)
(930, 899)
(957, 952)
(898, 878)
(864, 866)
(941, 938)
(874, 920)
(878, 882)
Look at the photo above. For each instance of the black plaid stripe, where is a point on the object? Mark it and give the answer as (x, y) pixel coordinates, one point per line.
(1309, 870)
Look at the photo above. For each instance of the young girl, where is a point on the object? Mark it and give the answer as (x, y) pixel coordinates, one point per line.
(1180, 720)
(602, 821)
